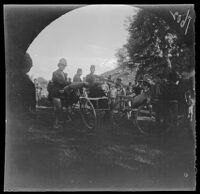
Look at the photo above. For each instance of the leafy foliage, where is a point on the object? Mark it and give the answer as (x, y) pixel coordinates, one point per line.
(154, 46)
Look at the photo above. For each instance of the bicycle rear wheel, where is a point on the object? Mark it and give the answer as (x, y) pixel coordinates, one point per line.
(88, 113)
(147, 122)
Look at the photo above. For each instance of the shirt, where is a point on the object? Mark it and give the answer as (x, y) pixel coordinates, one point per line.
(59, 78)
(77, 78)
(90, 78)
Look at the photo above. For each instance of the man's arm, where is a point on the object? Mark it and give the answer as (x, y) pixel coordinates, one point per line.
(87, 79)
(54, 77)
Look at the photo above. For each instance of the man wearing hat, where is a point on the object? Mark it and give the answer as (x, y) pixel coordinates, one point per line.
(77, 76)
(120, 91)
(59, 78)
(59, 81)
(119, 86)
(91, 78)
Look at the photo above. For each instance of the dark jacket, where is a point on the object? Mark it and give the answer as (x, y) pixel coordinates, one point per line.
(59, 81)
(77, 78)
(90, 78)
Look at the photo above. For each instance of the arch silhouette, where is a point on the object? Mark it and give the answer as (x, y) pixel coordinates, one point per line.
(22, 24)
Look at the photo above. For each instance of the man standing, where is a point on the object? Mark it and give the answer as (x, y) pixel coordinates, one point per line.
(90, 78)
(77, 76)
(120, 92)
(120, 89)
(129, 88)
(59, 79)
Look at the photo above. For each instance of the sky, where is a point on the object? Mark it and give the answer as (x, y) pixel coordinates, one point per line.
(84, 36)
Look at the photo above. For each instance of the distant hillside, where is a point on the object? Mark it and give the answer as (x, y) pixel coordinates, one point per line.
(126, 75)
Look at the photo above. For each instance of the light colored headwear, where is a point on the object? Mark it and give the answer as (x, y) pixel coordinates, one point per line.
(62, 62)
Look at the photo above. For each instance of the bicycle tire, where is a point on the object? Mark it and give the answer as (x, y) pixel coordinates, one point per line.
(83, 103)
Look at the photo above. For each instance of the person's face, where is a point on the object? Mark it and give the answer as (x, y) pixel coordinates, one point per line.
(62, 67)
(80, 73)
(92, 70)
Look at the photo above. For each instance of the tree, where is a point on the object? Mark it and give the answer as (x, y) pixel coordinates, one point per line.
(122, 57)
(155, 46)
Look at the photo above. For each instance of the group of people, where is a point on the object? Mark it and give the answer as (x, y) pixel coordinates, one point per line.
(23, 99)
(59, 82)
(98, 87)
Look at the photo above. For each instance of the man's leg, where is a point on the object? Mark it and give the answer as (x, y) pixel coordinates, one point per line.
(57, 111)
(67, 109)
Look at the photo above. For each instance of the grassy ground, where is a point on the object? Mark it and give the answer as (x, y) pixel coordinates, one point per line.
(39, 157)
